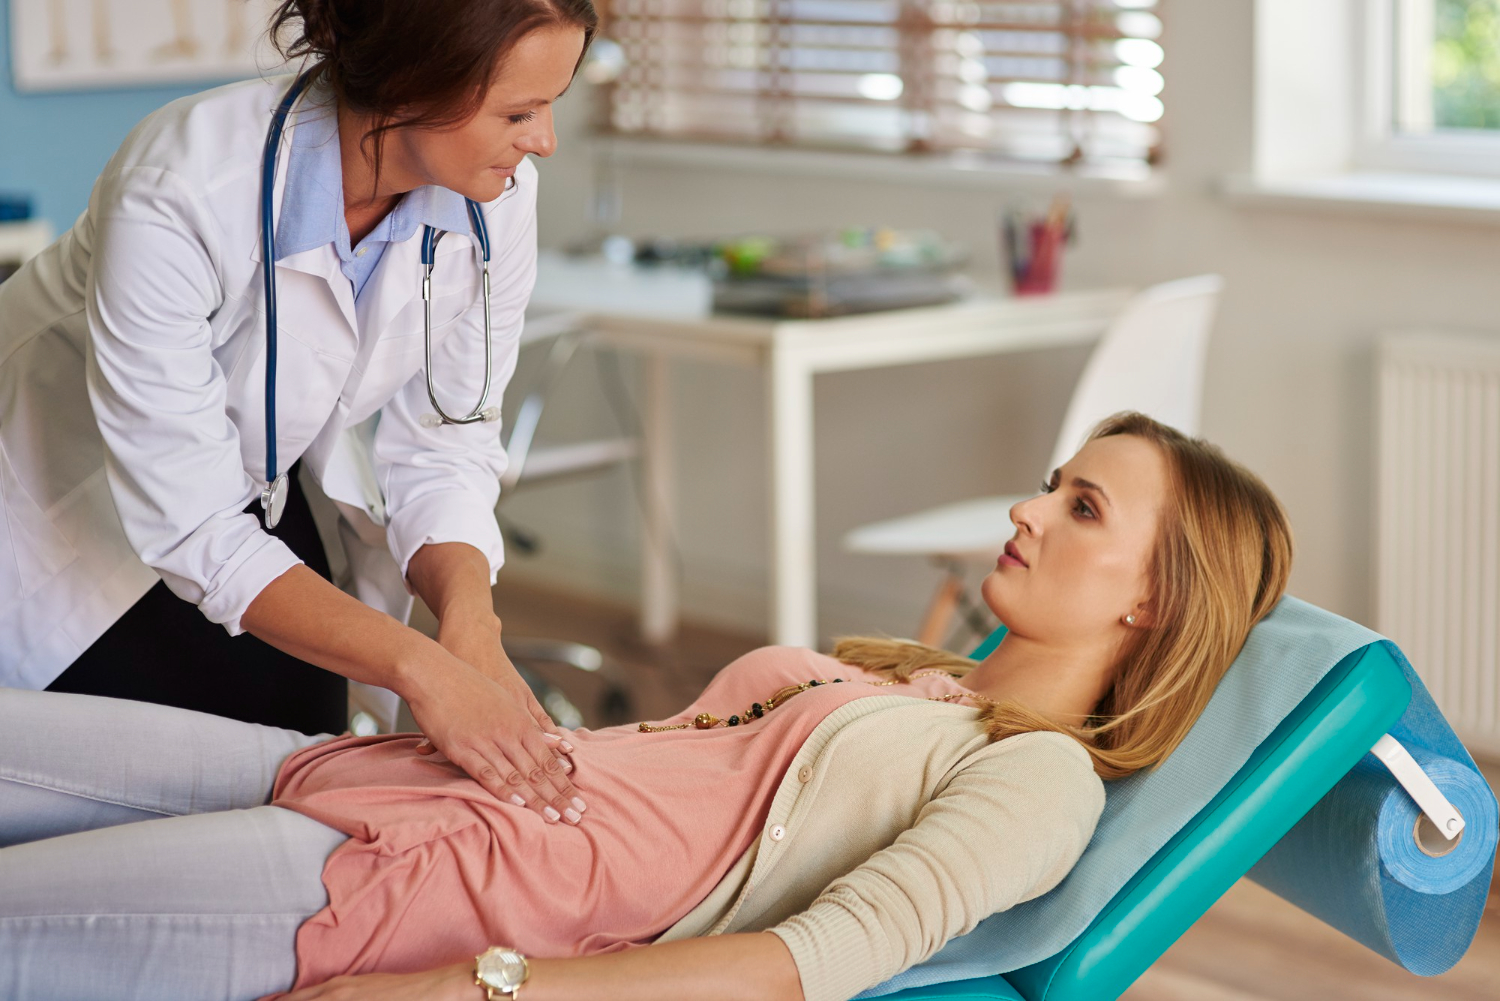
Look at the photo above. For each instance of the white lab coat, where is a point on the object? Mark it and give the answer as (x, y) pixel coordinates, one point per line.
(132, 370)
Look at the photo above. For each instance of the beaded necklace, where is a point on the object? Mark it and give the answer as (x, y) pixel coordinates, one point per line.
(706, 721)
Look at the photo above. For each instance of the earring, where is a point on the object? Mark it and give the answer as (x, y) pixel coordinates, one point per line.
(1130, 619)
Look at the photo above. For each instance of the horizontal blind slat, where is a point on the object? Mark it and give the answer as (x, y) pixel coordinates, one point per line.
(1067, 80)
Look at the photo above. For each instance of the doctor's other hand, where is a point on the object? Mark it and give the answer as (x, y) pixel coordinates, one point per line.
(485, 729)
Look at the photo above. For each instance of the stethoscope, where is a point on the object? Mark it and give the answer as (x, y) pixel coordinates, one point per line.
(273, 497)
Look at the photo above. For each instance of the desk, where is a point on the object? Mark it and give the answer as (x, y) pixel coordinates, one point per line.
(665, 314)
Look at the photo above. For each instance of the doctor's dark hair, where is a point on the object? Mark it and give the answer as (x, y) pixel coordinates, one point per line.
(1220, 564)
(425, 64)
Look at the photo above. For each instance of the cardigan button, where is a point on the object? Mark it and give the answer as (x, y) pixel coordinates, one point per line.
(804, 773)
(777, 832)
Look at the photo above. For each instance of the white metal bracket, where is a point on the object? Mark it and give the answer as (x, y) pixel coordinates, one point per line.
(1420, 787)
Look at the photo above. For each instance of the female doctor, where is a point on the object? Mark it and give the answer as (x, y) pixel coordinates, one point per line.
(285, 227)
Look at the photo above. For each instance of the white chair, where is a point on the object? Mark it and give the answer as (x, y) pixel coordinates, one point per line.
(1150, 359)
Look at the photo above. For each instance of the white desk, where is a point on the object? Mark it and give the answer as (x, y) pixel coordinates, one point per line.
(663, 314)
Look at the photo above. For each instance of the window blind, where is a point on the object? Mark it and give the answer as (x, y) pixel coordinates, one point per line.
(1060, 82)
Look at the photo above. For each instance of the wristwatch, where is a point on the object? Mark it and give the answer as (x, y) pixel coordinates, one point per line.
(501, 972)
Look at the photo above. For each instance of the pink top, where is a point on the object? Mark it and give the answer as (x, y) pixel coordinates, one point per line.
(436, 869)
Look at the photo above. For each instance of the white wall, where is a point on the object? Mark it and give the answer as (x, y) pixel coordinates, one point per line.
(1289, 377)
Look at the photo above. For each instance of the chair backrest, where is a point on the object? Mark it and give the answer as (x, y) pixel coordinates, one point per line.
(1308, 752)
(1150, 359)
(1358, 700)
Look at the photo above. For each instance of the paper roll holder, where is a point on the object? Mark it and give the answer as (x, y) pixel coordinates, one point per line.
(1445, 825)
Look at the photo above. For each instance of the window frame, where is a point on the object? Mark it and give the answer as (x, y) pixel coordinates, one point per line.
(1380, 145)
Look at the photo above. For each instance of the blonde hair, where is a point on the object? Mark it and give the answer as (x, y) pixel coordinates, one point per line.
(1223, 553)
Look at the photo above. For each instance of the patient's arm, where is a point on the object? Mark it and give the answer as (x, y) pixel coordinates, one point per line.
(750, 967)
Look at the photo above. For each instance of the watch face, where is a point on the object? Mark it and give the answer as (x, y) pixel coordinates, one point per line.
(502, 969)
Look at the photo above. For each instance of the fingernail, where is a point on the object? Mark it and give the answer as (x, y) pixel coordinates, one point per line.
(551, 814)
(572, 815)
(550, 736)
(578, 804)
(567, 765)
(518, 800)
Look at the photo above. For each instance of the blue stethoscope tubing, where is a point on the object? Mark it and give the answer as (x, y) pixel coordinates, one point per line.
(273, 497)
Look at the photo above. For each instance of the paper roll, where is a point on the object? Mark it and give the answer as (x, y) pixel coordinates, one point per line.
(1355, 863)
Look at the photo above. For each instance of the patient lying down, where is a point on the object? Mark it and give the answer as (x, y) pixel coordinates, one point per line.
(824, 824)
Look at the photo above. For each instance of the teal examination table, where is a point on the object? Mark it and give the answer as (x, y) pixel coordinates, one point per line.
(1339, 701)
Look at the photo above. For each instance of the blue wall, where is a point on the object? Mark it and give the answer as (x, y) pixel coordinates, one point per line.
(52, 146)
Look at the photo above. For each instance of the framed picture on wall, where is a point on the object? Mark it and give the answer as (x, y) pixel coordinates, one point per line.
(89, 44)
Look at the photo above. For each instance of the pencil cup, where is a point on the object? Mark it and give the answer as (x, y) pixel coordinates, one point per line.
(1033, 247)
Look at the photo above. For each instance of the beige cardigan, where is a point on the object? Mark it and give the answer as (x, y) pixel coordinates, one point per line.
(897, 827)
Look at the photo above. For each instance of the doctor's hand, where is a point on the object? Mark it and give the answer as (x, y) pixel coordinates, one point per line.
(475, 639)
(494, 735)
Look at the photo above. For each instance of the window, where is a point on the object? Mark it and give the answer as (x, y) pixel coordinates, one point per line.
(1053, 82)
(1433, 86)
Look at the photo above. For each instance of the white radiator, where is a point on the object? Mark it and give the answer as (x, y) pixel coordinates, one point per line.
(1438, 520)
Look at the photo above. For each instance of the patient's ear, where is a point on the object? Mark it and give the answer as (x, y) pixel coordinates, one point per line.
(1139, 617)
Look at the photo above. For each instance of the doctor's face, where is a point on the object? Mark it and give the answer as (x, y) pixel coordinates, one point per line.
(1081, 557)
(478, 158)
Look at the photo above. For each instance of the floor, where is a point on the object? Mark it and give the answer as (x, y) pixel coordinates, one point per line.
(1250, 946)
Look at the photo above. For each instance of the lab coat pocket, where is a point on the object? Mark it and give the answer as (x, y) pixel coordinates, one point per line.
(32, 550)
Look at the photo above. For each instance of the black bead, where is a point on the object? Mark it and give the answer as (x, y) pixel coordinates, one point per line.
(838, 679)
(734, 721)
(815, 684)
(757, 709)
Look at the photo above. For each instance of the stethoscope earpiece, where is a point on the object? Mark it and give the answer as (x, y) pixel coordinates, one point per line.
(488, 415)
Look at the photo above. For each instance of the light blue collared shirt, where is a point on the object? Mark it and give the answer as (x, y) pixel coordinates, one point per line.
(312, 207)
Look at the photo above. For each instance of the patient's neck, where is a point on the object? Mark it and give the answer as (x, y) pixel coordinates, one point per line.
(1062, 683)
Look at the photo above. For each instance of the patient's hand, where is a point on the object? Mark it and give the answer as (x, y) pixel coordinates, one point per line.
(449, 983)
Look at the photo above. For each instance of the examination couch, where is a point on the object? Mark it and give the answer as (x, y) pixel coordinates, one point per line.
(1332, 728)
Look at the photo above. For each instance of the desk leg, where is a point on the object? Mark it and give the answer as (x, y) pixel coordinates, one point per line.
(789, 406)
(658, 576)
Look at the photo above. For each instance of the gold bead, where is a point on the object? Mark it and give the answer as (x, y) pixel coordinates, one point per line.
(704, 721)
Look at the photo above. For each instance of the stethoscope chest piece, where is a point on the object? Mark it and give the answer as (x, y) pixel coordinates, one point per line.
(273, 500)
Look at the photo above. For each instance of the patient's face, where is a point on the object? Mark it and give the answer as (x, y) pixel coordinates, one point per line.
(1087, 543)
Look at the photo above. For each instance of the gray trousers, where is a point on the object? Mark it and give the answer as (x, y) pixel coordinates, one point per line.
(138, 857)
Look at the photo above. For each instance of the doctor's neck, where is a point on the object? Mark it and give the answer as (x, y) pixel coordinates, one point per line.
(368, 199)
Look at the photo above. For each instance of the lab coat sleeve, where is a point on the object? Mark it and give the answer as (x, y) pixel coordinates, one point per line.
(441, 484)
(172, 453)
(991, 838)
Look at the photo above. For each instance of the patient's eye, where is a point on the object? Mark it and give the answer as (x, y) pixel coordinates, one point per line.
(1082, 509)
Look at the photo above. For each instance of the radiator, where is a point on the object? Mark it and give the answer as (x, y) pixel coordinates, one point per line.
(1437, 549)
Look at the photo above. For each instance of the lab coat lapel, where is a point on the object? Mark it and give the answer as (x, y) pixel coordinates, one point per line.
(323, 262)
(386, 294)
(395, 285)
(310, 291)
(391, 305)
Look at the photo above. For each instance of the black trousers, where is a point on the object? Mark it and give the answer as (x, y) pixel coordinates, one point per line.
(163, 650)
